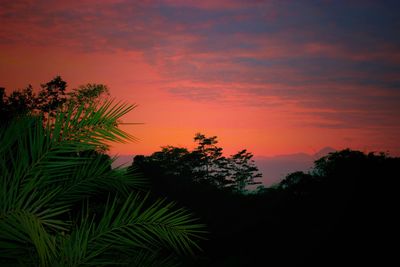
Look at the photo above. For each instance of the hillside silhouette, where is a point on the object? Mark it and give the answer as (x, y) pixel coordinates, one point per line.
(275, 168)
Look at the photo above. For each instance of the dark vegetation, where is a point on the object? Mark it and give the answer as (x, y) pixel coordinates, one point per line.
(342, 213)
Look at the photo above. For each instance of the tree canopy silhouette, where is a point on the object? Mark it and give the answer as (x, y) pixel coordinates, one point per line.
(52, 96)
(204, 165)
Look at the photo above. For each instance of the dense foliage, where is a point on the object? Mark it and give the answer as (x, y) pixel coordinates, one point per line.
(61, 204)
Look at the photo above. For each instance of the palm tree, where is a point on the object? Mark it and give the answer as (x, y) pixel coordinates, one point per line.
(61, 205)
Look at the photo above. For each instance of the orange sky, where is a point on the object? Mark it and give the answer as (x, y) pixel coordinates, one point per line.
(243, 72)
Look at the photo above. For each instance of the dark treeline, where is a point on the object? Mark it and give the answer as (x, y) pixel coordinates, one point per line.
(340, 213)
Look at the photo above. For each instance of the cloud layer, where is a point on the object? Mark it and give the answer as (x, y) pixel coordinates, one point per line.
(319, 64)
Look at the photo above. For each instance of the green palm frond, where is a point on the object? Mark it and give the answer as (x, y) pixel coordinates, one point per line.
(133, 228)
(93, 125)
(33, 157)
(47, 171)
(160, 224)
(25, 233)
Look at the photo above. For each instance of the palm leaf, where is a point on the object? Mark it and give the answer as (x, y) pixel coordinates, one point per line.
(94, 125)
(20, 229)
(46, 171)
(132, 227)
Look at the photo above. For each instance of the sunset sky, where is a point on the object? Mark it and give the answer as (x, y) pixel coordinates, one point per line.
(275, 77)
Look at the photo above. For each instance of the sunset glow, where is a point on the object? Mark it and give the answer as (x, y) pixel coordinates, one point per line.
(275, 77)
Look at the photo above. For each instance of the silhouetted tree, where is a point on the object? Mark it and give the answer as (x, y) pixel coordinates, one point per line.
(243, 170)
(52, 96)
(89, 93)
(211, 165)
(17, 103)
(205, 164)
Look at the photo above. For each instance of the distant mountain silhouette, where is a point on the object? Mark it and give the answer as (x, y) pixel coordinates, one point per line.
(123, 160)
(275, 168)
